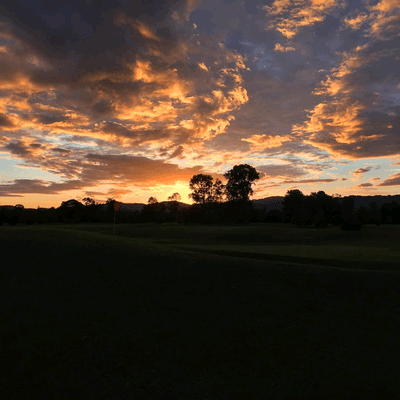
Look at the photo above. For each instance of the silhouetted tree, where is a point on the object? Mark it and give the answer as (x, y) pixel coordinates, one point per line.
(363, 215)
(395, 212)
(375, 214)
(175, 197)
(202, 189)
(72, 210)
(238, 188)
(152, 200)
(161, 212)
(90, 209)
(322, 207)
(110, 203)
(391, 212)
(88, 201)
(240, 178)
(347, 209)
(274, 216)
(293, 200)
(218, 192)
(193, 214)
(173, 207)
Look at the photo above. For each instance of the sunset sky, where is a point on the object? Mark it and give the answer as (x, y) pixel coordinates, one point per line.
(130, 99)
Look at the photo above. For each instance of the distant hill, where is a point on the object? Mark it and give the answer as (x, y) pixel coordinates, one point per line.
(270, 203)
(139, 206)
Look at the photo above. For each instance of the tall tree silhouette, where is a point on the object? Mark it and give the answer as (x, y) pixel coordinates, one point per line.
(204, 189)
(175, 197)
(240, 178)
(293, 200)
(238, 188)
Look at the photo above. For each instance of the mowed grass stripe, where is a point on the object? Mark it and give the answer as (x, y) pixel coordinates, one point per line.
(313, 255)
(89, 316)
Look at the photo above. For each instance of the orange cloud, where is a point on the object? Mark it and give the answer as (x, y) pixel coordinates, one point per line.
(122, 19)
(145, 103)
(358, 172)
(279, 47)
(353, 120)
(393, 180)
(290, 17)
(356, 22)
(260, 142)
(382, 18)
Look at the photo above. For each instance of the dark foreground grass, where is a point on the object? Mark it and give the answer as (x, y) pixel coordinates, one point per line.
(90, 316)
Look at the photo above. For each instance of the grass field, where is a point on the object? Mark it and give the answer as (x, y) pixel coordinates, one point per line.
(373, 244)
(89, 315)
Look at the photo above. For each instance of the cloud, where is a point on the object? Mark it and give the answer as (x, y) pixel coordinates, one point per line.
(393, 180)
(97, 169)
(260, 142)
(118, 192)
(27, 186)
(358, 172)
(356, 21)
(279, 47)
(177, 153)
(358, 115)
(312, 181)
(146, 31)
(364, 185)
(5, 121)
(182, 14)
(134, 170)
(90, 93)
(274, 171)
(383, 19)
(289, 17)
(141, 90)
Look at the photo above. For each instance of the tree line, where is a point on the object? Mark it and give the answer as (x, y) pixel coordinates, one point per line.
(319, 209)
(214, 202)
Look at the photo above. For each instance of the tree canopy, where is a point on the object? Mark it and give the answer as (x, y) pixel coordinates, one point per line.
(88, 201)
(175, 197)
(240, 178)
(205, 190)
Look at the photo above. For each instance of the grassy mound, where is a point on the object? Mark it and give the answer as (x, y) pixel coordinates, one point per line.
(87, 315)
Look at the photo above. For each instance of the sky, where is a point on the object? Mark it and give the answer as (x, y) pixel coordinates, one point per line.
(130, 99)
